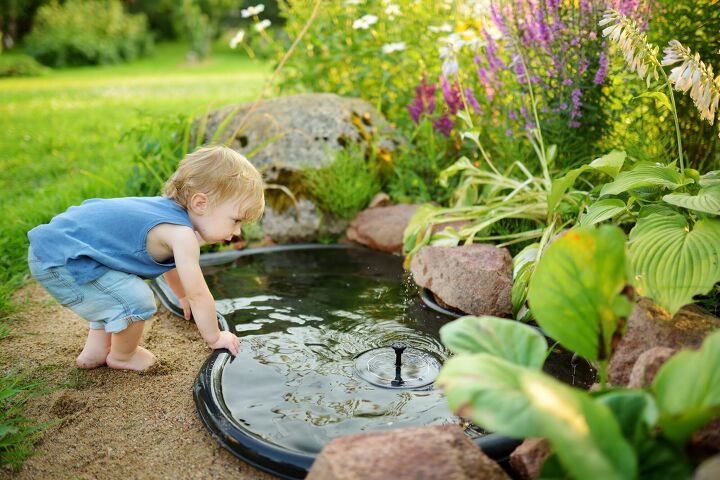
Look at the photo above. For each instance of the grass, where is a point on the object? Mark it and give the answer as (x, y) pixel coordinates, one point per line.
(62, 141)
(61, 135)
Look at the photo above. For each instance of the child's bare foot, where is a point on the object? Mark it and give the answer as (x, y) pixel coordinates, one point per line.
(91, 359)
(97, 347)
(141, 359)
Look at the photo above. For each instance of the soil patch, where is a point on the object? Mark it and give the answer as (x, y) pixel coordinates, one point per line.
(110, 424)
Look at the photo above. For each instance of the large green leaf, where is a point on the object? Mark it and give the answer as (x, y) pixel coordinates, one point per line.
(521, 403)
(523, 266)
(602, 210)
(574, 293)
(560, 186)
(646, 175)
(610, 164)
(687, 389)
(707, 200)
(634, 410)
(671, 262)
(508, 339)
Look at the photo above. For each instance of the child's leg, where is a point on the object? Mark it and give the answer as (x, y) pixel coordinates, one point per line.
(97, 347)
(124, 350)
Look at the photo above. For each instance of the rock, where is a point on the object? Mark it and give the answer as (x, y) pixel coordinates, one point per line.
(707, 439)
(289, 134)
(303, 130)
(709, 469)
(650, 326)
(381, 228)
(442, 452)
(528, 458)
(381, 199)
(647, 365)
(476, 278)
(301, 224)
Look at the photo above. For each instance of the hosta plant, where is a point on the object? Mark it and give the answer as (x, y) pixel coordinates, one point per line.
(495, 377)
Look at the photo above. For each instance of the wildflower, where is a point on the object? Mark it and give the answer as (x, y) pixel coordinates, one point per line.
(640, 55)
(389, 48)
(695, 76)
(260, 26)
(445, 27)
(252, 11)
(424, 100)
(238, 38)
(448, 53)
(444, 125)
(392, 10)
(353, 2)
(364, 22)
(472, 101)
(451, 94)
(602, 69)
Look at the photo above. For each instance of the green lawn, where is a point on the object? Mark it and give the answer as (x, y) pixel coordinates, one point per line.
(61, 135)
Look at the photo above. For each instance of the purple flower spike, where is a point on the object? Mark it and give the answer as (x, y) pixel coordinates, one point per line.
(444, 125)
(602, 70)
(472, 101)
(451, 95)
(424, 100)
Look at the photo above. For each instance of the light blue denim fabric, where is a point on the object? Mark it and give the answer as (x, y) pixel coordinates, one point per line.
(111, 302)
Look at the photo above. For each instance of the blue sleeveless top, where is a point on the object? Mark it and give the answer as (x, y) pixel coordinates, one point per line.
(106, 234)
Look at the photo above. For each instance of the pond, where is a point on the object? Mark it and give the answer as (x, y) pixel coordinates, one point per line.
(317, 325)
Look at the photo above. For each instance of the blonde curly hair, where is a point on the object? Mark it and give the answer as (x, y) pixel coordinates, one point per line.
(222, 174)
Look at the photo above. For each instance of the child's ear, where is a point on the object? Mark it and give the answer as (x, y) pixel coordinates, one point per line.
(199, 203)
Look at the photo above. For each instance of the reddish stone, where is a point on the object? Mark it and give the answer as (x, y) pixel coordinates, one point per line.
(528, 458)
(647, 365)
(650, 326)
(475, 279)
(437, 452)
(381, 228)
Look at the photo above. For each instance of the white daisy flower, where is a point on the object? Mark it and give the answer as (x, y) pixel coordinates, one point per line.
(252, 11)
(239, 36)
(392, 10)
(260, 26)
(364, 22)
(389, 48)
(445, 27)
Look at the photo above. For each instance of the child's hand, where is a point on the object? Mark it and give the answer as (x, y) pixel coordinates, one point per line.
(185, 303)
(227, 340)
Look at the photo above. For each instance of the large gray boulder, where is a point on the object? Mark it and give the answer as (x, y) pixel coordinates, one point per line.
(288, 134)
(442, 452)
(476, 278)
(298, 131)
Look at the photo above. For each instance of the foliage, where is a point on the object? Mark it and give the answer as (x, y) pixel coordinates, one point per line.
(194, 26)
(616, 433)
(90, 32)
(696, 23)
(416, 166)
(345, 186)
(372, 50)
(17, 433)
(20, 66)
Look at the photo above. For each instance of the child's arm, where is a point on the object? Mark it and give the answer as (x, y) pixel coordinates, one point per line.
(186, 251)
(173, 279)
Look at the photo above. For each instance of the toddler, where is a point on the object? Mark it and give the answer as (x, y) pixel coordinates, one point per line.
(93, 257)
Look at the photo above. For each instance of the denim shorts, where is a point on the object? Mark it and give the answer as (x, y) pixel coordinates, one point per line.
(110, 303)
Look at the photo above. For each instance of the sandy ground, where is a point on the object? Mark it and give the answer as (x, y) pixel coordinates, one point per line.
(111, 424)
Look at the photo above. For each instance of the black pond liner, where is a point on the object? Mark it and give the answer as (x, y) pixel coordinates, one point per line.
(244, 444)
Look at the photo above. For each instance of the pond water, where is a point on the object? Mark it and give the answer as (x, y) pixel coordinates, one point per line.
(303, 317)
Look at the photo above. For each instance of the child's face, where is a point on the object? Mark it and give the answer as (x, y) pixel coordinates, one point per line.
(219, 222)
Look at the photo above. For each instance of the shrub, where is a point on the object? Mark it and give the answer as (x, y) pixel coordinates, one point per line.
(345, 186)
(20, 66)
(91, 32)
